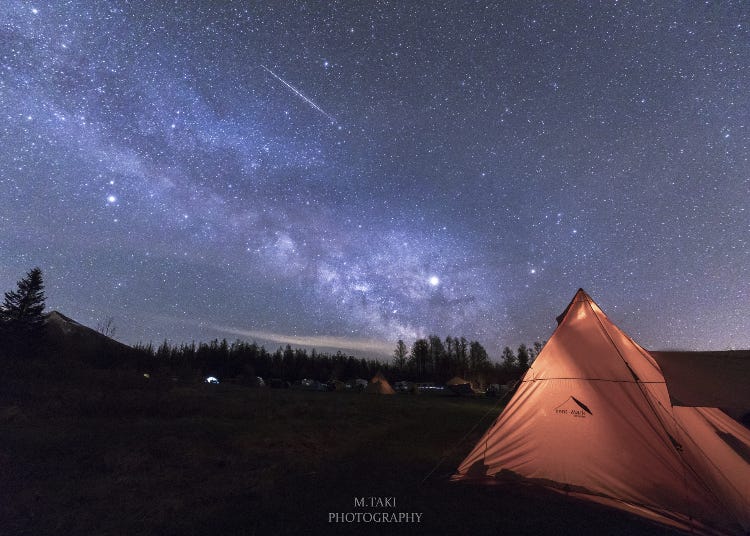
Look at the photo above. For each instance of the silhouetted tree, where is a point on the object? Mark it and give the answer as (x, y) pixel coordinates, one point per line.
(399, 355)
(22, 317)
(523, 357)
(478, 358)
(509, 358)
(420, 355)
(462, 356)
(439, 366)
(24, 308)
(106, 327)
(450, 351)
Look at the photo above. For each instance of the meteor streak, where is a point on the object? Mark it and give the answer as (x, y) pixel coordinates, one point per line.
(299, 94)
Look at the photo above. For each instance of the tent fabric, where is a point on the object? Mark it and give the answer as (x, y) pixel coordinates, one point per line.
(459, 386)
(592, 416)
(457, 380)
(718, 448)
(379, 385)
(708, 379)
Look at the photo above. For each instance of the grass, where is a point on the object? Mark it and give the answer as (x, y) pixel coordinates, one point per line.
(101, 452)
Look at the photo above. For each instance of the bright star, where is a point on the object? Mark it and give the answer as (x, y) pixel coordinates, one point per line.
(434, 280)
(111, 199)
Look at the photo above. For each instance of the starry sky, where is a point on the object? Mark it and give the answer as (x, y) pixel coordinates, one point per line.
(345, 174)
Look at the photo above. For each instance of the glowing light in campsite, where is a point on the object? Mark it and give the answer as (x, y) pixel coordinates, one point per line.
(211, 379)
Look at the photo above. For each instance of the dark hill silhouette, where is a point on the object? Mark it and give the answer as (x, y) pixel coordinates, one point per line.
(70, 339)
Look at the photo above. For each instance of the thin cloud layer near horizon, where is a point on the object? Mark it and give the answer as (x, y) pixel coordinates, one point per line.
(355, 173)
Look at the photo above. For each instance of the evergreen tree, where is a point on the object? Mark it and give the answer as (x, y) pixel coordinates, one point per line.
(523, 357)
(450, 352)
(462, 357)
(478, 359)
(163, 352)
(437, 362)
(509, 358)
(399, 355)
(420, 355)
(23, 309)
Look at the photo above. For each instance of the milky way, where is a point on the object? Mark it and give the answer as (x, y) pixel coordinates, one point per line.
(485, 161)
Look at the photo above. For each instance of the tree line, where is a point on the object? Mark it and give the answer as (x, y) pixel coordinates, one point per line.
(430, 359)
(436, 360)
(246, 361)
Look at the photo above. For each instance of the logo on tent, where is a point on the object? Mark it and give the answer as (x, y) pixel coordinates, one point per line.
(573, 408)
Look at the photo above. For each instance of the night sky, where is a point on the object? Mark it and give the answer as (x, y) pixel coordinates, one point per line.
(344, 174)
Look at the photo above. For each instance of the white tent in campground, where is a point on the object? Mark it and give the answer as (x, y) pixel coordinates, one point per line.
(592, 417)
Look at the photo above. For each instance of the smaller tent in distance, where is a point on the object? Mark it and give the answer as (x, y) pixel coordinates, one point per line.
(379, 386)
(460, 386)
(457, 380)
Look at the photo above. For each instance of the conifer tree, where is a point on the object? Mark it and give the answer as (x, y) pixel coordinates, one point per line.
(523, 357)
(478, 359)
(420, 355)
(23, 308)
(509, 358)
(399, 355)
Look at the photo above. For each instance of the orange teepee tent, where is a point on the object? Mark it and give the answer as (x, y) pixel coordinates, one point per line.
(593, 417)
(379, 385)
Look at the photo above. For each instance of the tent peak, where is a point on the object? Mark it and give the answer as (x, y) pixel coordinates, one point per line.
(580, 293)
(580, 296)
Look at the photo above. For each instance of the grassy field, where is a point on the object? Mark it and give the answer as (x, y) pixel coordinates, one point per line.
(110, 453)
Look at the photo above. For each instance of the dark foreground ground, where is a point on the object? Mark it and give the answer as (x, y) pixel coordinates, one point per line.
(107, 453)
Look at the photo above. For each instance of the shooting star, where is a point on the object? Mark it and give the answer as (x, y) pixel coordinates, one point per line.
(300, 94)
